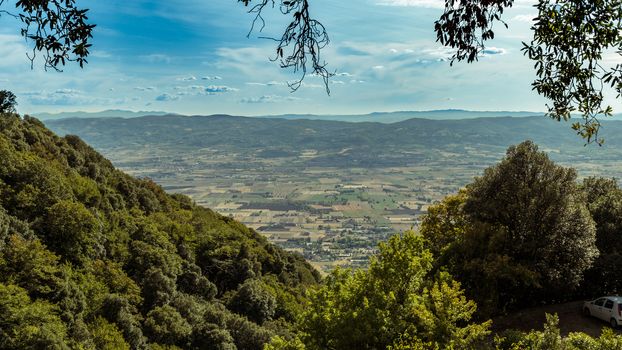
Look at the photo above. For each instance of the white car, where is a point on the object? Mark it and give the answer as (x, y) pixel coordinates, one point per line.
(606, 308)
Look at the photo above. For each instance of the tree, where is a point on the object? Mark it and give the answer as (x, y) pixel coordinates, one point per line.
(73, 231)
(7, 102)
(29, 324)
(604, 201)
(166, 326)
(569, 42)
(521, 233)
(58, 29)
(254, 300)
(106, 336)
(540, 205)
(399, 303)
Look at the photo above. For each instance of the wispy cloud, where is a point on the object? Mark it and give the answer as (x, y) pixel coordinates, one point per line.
(528, 18)
(270, 83)
(215, 77)
(494, 51)
(13, 51)
(66, 97)
(215, 89)
(414, 3)
(147, 88)
(187, 78)
(156, 58)
(269, 99)
(165, 97)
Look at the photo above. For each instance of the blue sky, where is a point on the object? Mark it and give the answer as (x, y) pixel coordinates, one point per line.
(193, 57)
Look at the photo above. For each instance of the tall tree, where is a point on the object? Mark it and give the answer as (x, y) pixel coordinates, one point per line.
(541, 207)
(604, 201)
(7, 102)
(520, 234)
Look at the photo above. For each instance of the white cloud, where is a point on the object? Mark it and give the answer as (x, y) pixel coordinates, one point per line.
(101, 54)
(527, 18)
(188, 78)
(414, 3)
(343, 74)
(215, 77)
(190, 88)
(494, 51)
(441, 53)
(166, 97)
(66, 97)
(13, 51)
(156, 58)
(142, 88)
(269, 99)
(215, 89)
(270, 83)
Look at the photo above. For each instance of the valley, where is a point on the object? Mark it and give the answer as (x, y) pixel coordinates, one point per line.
(327, 190)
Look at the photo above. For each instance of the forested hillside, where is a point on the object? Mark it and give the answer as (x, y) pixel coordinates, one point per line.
(91, 258)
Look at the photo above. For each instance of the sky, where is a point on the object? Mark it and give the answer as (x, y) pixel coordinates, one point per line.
(194, 57)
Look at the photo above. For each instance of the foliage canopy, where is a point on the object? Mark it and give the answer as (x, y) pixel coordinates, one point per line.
(519, 234)
(399, 303)
(7, 102)
(92, 258)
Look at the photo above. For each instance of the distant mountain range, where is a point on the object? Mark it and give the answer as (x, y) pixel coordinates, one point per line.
(110, 113)
(374, 144)
(379, 117)
(394, 117)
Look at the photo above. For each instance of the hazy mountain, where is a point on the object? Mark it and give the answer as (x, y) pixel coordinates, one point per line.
(110, 113)
(393, 117)
(380, 117)
(283, 134)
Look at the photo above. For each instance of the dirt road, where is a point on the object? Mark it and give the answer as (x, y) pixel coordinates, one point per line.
(570, 319)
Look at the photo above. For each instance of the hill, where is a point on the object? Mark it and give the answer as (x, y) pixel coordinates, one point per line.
(93, 258)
